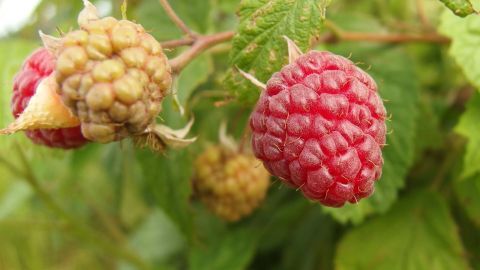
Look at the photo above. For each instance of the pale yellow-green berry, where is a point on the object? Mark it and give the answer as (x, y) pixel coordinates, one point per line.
(113, 76)
(230, 184)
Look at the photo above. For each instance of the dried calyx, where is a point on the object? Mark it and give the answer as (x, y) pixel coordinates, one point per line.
(45, 110)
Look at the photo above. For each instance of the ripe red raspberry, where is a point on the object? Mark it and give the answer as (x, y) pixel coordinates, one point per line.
(320, 127)
(39, 65)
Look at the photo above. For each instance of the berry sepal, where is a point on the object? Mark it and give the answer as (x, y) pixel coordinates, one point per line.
(157, 137)
(293, 51)
(293, 54)
(45, 110)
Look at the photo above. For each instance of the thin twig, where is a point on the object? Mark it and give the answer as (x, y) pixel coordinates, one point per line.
(338, 35)
(111, 227)
(175, 19)
(10, 166)
(200, 44)
(422, 15)
(170, 44)
(208, 95)
(32, 224)
(387, 38)
(454, 151)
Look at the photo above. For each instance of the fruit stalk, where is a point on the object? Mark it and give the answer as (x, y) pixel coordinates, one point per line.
(176, 19)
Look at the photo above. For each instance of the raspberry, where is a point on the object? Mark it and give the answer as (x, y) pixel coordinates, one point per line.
(232, 185)
(39, 65)
(112, 75)
(320, 127)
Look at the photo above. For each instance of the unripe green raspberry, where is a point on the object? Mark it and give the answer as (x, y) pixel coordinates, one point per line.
(230, 184)
(113, 76)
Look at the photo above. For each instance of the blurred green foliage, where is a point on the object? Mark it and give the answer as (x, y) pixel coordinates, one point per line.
(117, 207)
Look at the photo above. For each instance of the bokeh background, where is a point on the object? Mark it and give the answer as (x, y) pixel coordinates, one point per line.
(116, 207)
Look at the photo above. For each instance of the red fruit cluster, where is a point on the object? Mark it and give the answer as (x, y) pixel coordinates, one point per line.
(320, 127)
(39, 65)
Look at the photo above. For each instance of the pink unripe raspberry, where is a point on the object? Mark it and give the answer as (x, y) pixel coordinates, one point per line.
(320, 127)
(38, 66)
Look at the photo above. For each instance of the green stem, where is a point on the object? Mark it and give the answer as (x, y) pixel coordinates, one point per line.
(454, 152)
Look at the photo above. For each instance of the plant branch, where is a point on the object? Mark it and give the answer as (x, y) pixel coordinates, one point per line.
(422, 15)
(385, 38)
(337, 35)
(455, 148)
(170, 44)
(200, 44)
(176, 19)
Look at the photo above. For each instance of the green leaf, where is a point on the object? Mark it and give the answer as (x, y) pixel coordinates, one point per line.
(157, 238)
(282, 206)
(460, 8)
(468, 229)
(192, 76)
(259, 47)
(417, 233)
(469, 126)
(232, 249)
(468, 194)
(465, 35)
(398, 86)
(167, 180)
(315, 233)
(227, 6)
(16, 196)
(429, 135)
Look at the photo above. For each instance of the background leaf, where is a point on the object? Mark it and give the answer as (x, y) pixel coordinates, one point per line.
(417, 233)
(468, 194)
(157, 238)
(398, 87)
(465, 35)
(460, 8)
(169, 186)
(192, 76)
(259, 47)
(218, 248)
(469, 126)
